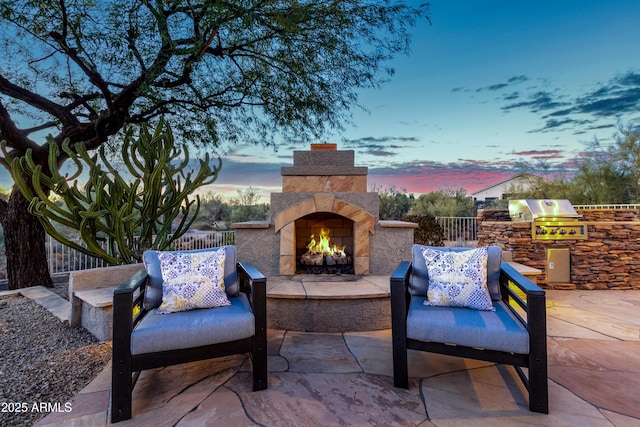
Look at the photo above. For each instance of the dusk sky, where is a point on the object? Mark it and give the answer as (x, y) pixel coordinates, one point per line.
(487, 84)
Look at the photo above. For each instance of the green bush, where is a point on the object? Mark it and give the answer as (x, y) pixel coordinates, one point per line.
(428, 232)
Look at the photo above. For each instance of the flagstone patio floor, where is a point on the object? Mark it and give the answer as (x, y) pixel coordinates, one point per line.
(327, 379)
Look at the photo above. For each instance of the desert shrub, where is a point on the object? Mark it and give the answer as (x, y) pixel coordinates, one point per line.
(428, 232)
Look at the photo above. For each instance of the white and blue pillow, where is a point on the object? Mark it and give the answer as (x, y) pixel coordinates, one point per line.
(457, 279)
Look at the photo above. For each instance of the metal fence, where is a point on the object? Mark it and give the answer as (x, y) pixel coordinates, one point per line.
(63, 259)
(613, 207)
(459, 228)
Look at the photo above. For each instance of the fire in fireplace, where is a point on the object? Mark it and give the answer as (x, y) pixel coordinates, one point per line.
(321, 251)
(323, 244)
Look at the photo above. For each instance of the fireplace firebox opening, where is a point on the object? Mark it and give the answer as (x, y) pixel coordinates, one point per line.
(324, 244)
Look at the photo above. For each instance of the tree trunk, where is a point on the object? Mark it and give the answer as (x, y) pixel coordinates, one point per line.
(24, 240)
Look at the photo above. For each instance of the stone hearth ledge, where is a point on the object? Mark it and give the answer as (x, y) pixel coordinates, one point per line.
(328, 287)
(388, 223)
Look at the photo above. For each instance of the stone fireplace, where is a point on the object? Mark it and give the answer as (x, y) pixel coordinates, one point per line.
(324, 193)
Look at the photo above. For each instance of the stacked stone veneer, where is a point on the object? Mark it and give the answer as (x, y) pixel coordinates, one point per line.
(608, 259)
(324, 181)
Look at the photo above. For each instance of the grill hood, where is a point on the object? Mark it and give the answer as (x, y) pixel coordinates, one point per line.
(534, 209)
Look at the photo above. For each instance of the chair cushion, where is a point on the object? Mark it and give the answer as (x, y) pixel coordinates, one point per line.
(153, 292)
(195, 328)
(419, 280)
(492, 330)
(458, 279)
(192, 280)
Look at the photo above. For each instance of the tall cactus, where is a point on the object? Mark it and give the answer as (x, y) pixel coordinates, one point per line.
(129, 214)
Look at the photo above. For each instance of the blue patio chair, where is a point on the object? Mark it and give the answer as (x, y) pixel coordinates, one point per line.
(515, 333)
(145, 339)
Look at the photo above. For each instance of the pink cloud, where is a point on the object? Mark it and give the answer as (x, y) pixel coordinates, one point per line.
(425, 180)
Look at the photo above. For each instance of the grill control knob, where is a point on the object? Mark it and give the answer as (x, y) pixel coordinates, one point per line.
(563, 232)
(572, 231)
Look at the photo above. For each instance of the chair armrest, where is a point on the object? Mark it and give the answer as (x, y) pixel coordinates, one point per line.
(533, 303)
(400, 279)
(400, 298)
(125, 298)
(254, 284)
(517, 288)
(252, 281)
(521, 281)
(399, 291)
(401, 273)
(250, 272)
(134, 283)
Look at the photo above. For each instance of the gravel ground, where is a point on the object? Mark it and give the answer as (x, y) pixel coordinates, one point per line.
(43, 362)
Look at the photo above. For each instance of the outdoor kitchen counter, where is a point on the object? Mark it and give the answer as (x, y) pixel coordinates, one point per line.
(528, 272)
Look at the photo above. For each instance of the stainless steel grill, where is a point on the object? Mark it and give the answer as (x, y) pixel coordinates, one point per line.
(551, 219)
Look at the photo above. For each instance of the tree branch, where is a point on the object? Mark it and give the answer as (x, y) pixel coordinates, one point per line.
(82, 100)
(15, 138)
(93, 75)
(56, 110)
(40, 127)
(204, 47)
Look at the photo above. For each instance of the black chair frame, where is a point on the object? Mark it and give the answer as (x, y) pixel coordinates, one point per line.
(515, 289)
(128, 311)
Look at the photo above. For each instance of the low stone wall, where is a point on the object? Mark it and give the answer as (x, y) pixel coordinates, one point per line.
(390, 245)
(91, 296)
(608, 259)
(259, 244)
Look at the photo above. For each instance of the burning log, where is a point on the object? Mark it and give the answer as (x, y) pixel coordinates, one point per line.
(343, 260)
(322, 252)
(311, 259)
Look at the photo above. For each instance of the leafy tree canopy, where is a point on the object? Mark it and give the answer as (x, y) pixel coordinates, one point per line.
(223, 70)
(394, 203)
(444, 203)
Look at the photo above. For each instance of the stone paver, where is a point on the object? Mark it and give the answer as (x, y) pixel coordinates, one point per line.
(315, 352)
(320, 399)
(345, 379)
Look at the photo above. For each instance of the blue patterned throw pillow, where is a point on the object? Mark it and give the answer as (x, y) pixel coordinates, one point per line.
(458, 279)
(192, 280)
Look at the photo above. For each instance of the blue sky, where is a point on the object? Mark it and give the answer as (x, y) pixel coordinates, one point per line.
(488, 84)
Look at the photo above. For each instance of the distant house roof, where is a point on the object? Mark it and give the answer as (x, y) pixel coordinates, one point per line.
(496, 190)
